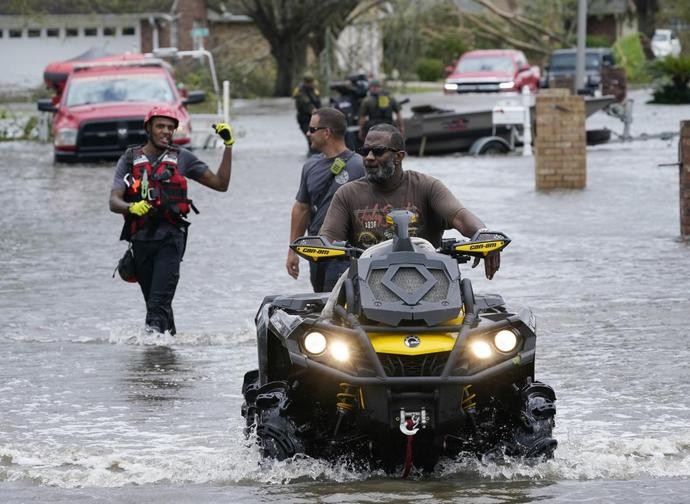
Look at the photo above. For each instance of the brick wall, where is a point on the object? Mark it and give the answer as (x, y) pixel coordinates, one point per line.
(191, 14)
(684, 155)
(560, 143)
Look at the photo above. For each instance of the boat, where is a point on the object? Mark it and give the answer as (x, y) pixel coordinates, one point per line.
(434, 130)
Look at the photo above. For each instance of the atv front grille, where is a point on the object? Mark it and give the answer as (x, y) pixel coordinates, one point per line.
(431, 284)
(414, 365)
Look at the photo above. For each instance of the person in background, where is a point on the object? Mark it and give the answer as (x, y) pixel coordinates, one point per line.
(357, 213)
(379, 108)
(322, 175)
(307, 99)
(150, 190)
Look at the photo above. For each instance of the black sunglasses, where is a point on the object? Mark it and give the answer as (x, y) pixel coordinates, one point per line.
(378, 151)
(313, 129)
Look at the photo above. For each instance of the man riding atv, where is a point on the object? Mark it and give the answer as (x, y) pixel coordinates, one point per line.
(402, 363)
(358, 210)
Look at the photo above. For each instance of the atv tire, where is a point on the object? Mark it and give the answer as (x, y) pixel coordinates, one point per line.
(530, 437)
(276, 429)
(250, 388)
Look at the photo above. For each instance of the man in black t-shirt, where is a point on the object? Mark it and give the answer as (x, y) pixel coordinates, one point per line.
(379, 107)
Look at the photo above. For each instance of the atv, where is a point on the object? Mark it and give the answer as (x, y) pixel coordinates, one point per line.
(401, 364)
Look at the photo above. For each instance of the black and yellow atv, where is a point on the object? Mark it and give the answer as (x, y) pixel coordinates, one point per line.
(401, 364)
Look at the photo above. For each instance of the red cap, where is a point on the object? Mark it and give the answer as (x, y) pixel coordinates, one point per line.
(162, 111)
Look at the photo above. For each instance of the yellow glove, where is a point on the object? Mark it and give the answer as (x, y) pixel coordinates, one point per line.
(139, 208)
(224, 131)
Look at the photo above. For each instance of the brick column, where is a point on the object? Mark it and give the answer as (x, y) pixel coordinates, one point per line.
(560, 143)
(684, 161)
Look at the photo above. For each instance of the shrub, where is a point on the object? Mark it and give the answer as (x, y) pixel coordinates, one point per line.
(673, 76)
(430, 69)
(630, 56)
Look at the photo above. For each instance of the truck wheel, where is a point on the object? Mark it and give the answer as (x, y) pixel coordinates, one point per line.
(493, 148)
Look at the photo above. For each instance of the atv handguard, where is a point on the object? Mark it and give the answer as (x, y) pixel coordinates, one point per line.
(480, 247)
(318, 248)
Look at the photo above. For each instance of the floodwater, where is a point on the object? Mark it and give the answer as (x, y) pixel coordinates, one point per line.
(94, 410)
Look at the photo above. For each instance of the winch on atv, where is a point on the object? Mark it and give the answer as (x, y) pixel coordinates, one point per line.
(401, 364)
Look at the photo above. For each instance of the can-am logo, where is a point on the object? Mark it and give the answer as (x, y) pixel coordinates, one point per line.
(412, 341)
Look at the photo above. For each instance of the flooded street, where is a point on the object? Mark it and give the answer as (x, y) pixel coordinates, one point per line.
(94, 410)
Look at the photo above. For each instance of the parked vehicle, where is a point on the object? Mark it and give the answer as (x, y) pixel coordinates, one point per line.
(602, 76)
(665, 43)
(431, 130)
(100, 104)
(401, 364)
(492, 70)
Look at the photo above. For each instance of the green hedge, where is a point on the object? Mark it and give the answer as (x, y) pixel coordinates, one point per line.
(430, 69)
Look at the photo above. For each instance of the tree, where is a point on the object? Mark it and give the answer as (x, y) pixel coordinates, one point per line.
(646, 15)
(291, 26)
(416, 30)
(538, 28)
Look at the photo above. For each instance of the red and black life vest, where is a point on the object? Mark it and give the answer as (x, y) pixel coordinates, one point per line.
(161, 184)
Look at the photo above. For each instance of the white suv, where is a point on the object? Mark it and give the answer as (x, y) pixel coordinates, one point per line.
(665, 43)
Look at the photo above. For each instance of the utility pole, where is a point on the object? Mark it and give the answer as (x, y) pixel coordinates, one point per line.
(581, 41)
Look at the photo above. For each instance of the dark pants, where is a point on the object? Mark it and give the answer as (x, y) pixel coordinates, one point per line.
(158, 270)
(323, 276)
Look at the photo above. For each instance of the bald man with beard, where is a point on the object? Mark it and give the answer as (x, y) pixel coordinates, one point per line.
(357, 213)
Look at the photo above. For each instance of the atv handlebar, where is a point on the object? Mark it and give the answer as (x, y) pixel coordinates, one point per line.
(485, 242)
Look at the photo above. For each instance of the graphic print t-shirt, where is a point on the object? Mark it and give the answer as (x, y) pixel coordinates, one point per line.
(358, 210)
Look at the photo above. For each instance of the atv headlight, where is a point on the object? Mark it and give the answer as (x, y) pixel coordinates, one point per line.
(481, 349)
(505, 340)
(315, 343)
(339, 351)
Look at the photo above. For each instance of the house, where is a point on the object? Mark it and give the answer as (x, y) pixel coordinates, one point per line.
(612, 19)
(34, 33)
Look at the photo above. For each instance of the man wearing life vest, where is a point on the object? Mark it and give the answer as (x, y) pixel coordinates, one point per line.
(150, 191)
(379, 108)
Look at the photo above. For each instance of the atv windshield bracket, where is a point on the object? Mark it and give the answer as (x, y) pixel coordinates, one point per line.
(411, 422)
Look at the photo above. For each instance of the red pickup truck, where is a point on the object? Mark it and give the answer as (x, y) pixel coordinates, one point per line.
(492, 70)
(100, 104)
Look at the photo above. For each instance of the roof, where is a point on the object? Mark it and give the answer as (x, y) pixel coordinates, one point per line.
(603, 7)
(57, 7)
